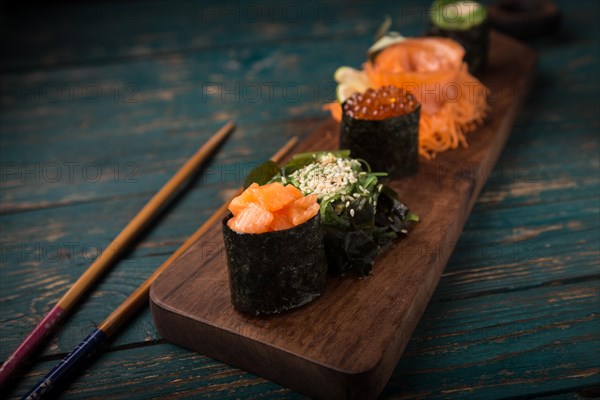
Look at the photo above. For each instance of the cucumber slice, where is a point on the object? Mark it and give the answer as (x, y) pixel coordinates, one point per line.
(457, 15)
(350, 81)
(344, 91)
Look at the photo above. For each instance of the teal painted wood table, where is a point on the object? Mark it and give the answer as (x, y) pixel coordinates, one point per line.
(100, 103)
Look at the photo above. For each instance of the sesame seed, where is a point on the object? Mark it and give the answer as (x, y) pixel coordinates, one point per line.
(326, 177)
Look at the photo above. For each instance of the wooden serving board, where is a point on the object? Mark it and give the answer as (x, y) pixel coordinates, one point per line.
(347, 343)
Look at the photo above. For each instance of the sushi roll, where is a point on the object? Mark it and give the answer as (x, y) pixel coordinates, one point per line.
(274, 246)
(465, 22)
(381, 126)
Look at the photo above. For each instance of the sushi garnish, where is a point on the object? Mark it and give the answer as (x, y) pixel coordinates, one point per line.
(453, 102)
(271, 207)
(377, 104)
(353, 81)
(360, 215)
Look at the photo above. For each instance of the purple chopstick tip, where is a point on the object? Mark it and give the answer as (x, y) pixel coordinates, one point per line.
(30, 344)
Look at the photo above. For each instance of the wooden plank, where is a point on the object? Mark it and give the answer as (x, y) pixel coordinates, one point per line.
(169, 114)
(501, 346)
(560, 119)
(510, 249)
(49, 248)
(492, 347)
(539, 132)
(489, 258)
(300, 349)
(116, 32)
(569, 65)
(501, 219)
(98, 175)
(171, 110)
(160, 28)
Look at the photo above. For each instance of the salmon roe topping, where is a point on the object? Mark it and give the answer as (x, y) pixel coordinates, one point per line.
(378, 104)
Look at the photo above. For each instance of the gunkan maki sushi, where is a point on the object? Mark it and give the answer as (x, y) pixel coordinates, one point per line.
(465, 22)
(381, 126)
(274, 246)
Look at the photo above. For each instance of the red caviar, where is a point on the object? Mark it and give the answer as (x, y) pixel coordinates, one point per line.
(377, 104)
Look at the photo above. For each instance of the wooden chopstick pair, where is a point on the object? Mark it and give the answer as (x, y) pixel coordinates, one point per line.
(92, 343)
(111, 254)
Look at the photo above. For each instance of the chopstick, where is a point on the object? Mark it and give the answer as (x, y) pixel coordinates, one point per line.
(110, 254)
(100, 335)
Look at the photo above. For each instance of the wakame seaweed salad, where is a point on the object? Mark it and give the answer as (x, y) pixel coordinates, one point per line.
(360, 215)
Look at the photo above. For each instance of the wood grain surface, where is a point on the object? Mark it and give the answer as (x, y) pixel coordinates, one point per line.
(515, 313)
(347, 343)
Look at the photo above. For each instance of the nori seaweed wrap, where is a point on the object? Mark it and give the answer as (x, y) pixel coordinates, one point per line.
(465, 22)
(390, 144)
(275, 271)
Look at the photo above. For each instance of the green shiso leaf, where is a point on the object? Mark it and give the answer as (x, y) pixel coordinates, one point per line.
(457, 14)
(261, 174)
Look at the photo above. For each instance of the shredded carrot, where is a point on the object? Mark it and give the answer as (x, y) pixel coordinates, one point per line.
(453, 102)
